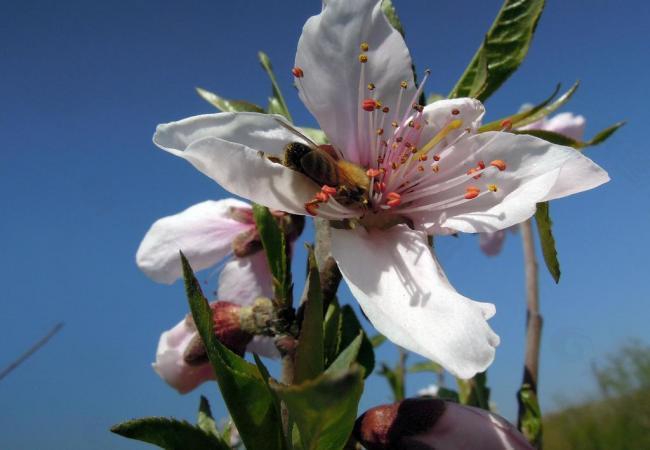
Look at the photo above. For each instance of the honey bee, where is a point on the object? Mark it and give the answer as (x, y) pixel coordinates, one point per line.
(322, 165)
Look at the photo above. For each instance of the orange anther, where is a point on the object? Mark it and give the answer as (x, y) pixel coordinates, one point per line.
(297, 72)
(506, 124)
(472, 192)
(311, 208)
(436, 157)
(435, 168)
(499, 164)
(492, 187)
(373, 172)
(394, 199)
(423, 157)
(322, 197)
(380, 186)
(364, 46)
(385, 109)
(329, 190)
(380, 131)
(369, 104)
(455, 112)
(363, 58)
(481, 165)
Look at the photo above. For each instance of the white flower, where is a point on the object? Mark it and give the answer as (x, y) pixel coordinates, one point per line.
(431, 173)
(205, 233)
(566, 124)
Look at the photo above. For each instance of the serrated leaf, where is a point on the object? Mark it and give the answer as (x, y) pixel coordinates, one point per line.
(350, 328)
(425, 366)
(347, 357)
(324, 409)
(391, 14)
(560, 139)
(205, 421)
(505, 47)
(225, 105)
(275, 246)
(243, 388)
(310, 360)
(547, 241)
(277, 102)
(170, 434)
(530, 415)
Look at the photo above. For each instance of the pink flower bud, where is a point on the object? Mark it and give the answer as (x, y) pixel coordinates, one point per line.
(427, 424)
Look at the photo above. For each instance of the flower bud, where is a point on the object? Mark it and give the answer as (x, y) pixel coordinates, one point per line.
(227, 326)
(427, 424)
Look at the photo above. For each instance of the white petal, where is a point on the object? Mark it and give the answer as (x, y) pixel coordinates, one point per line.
(242, 280)
(536, 171)
(438, 114)
(332, 87)
(263, 346)
(204, 232)
(231, 149)
(170, 364)
(401, 288)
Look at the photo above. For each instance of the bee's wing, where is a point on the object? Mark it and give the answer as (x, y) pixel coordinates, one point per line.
(298, 133)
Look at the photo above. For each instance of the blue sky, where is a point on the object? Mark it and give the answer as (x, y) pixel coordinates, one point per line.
(83, 85)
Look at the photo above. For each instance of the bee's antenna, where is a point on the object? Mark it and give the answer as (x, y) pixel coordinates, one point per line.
(296, 131)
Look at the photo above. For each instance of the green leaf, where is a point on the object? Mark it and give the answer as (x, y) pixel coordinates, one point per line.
(324, 409)
(225, 105)
(332, 331)
(347, 357)
(169, 434)
(560, 139)
(547, 241)
(530, 415)
(275, 246)
(276, 103)
(318, 136)
(426, 366)
(377, 340)
(243, 388)
(537, 113)
(514, 119)
(505, 47)
(474, 392)
(391, 14)
(205, 420)
(310, 358)
(350, 328)
(448, 394)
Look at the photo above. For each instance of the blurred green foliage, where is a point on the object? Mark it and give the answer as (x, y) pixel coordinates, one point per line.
(619, 419)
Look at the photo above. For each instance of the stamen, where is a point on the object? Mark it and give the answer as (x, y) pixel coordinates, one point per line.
(329, 190)
(492, 187)
(311, 208)
(363, 58)
(499, 164)
(394, 199)
(364, 46)
(453, 125)
(297, 72)
(455, 112)
(506, 124)
(369, 104)
(371, 86)
(373, 172)
(472, 192)
(404, 84)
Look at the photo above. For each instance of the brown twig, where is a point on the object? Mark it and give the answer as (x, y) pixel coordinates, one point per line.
(533, 316)
(31, 350)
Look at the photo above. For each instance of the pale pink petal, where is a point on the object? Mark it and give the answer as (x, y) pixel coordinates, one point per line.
(333, 85)
(263, 346)
(565, 123)
(441, 113)
(242, 280)
(203, 232)
(536, 171)
(170, 364)
(492, 243)
(396, 279)
(233, 150)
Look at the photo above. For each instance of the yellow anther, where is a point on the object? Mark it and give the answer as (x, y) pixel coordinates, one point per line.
(380, 131)
(451, 126)
(403, 85)
(364, 46)
(371, 86)
(435, 168)
(394, 124)
(363, 58)
(492, 187)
